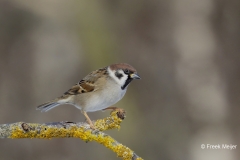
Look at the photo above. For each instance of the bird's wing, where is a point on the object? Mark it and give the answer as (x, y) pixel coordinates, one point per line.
(87, 84)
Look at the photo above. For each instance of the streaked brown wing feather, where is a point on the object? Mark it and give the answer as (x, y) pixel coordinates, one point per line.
(87, 83)
(74, 90)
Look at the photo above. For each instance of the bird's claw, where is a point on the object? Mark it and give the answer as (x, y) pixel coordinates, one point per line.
(121, 113)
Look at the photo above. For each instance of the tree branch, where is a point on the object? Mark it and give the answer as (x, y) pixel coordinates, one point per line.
(70, 129)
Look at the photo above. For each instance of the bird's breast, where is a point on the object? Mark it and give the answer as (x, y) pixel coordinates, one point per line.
(104, 98)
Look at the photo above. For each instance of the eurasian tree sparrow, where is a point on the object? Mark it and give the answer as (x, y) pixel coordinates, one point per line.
(97, 91)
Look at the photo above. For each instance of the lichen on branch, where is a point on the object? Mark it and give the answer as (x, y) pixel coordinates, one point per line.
(70, 129)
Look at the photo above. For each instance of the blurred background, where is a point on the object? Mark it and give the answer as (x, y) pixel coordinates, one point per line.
(187, 53)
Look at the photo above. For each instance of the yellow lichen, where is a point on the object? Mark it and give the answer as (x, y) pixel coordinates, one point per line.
(107, 141)
(111, 122)
(18, 132)
(122, 151)
(48, 132)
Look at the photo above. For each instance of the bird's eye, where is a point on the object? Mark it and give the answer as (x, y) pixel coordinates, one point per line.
(126, 71)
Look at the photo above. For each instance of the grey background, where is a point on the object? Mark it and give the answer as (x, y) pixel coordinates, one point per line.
(187, 53)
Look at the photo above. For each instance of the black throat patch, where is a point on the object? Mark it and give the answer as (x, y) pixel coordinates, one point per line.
(129, 79)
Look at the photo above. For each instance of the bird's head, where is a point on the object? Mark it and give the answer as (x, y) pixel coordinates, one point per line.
(123, 74)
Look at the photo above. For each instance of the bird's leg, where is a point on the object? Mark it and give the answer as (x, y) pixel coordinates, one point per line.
(121, 112)
(88, 120)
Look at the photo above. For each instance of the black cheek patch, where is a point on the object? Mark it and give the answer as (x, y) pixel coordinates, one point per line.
(119, 75)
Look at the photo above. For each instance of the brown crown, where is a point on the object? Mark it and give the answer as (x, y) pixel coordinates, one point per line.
(122, 66)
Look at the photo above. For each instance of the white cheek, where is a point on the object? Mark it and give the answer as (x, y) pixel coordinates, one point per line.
(120, 81)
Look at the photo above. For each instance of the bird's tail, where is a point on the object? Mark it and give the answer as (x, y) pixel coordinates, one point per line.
(49, 105)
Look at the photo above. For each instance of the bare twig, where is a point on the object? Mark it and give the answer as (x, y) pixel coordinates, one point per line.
(69, 129)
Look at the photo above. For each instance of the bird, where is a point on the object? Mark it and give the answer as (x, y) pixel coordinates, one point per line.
(99, 90)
